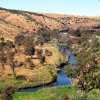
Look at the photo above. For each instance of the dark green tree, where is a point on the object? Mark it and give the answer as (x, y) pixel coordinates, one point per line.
(78, 33)
(30, 50)
(9, 44)
(18, 39)
(42, 60)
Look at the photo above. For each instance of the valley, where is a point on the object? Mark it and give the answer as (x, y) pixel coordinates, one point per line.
(30, 55)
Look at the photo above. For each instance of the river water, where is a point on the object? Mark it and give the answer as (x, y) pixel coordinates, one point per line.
(61, 80)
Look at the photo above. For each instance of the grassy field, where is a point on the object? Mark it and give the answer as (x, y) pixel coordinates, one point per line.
(53, 93)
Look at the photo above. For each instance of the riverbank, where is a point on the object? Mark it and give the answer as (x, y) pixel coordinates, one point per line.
(40, 75)
(53, 93)
(61, 78)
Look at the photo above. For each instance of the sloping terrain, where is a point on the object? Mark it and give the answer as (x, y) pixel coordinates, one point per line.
(9, 30)
(13, 22)
(75, 21)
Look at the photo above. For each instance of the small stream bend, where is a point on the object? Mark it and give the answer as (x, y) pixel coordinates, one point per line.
(61, 80)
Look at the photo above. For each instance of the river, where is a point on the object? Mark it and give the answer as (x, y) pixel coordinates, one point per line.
(61, 80)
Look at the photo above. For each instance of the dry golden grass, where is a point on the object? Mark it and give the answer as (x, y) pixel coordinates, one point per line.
(9, 31)
(33, 76)
(34, 22)
(39, 71)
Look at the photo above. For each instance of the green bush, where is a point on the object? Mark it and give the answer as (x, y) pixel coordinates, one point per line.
(95, 93)
(80, 95)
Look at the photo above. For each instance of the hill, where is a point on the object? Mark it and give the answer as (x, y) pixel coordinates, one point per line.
(13, 22)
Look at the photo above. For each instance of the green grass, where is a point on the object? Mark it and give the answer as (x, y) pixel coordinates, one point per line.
(53, 93)
(2, 85)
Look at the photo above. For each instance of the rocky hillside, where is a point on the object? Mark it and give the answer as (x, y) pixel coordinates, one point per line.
(13, 22)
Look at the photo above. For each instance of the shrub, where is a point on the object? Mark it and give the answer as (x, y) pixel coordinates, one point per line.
(95, 93)
(2, 44)
(30, 50)
(64, 96)
(48, 53)
(7, 93)
(42, 60)
(20, 77)
(80, 95)
(18, 39)
(28, 63)
(9, 43)
(28, 41)
(2, 39)
(2, 58)
(39, 53)
(9, 74)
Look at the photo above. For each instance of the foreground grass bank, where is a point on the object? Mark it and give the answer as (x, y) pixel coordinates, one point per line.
(58, 93)
(53, 93)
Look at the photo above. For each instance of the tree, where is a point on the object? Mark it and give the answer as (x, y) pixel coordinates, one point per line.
(9, 44)
(2, 44)
(42, 60)
(13, 66)
(48, 53)
(30, 50)
(71, 32)
(69, 71)
(11, 62)
(7, 93)
(2, 59)
(2, 39)
(27, 41)
(39, 53)
(86, 71)
(78, 33)
(29, 63)
(41, 43)
(18, 39)
(10, 56)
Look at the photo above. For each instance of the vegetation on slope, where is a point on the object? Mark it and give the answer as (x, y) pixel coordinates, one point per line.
(31, 22)
(87, 69)
(28, 61)
(31, 59)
